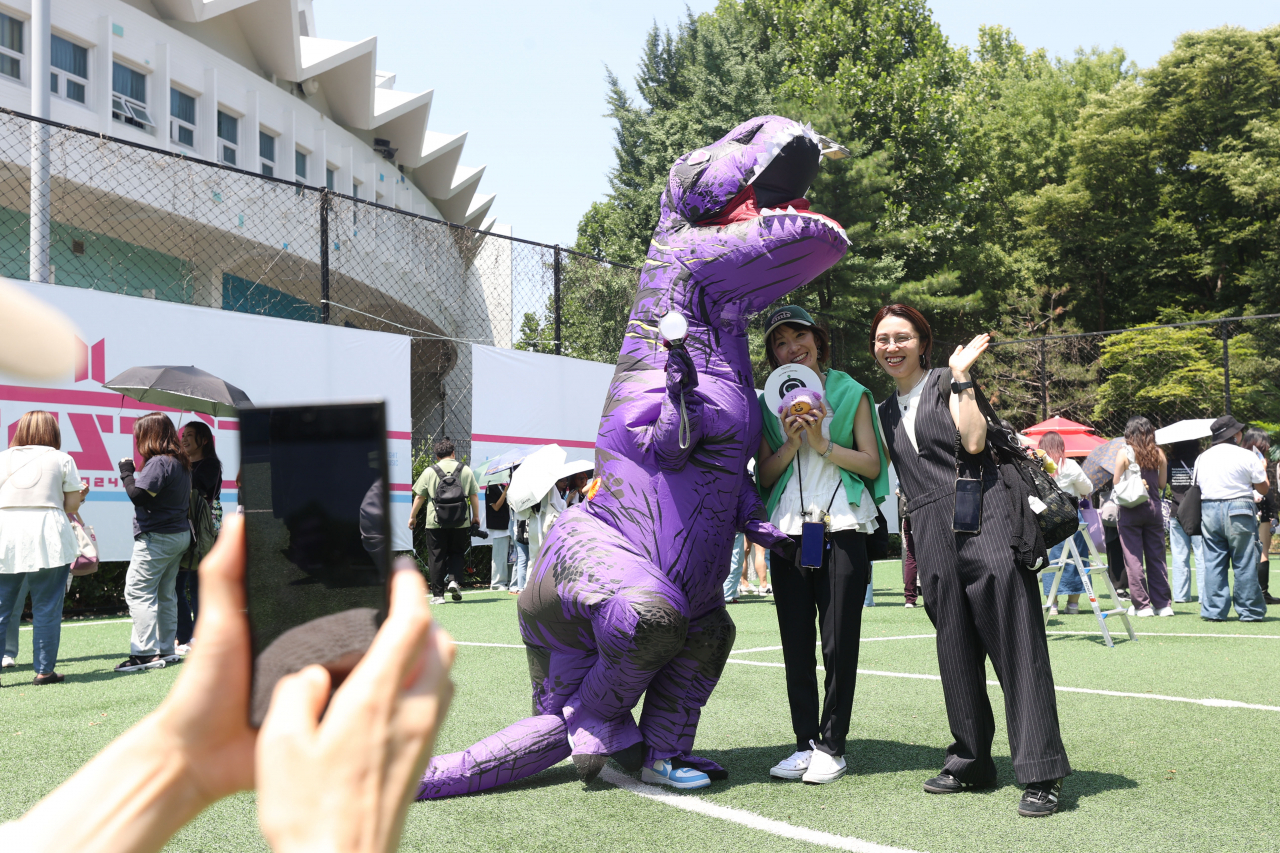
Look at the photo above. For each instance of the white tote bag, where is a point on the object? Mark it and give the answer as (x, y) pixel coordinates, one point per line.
(1131, 491)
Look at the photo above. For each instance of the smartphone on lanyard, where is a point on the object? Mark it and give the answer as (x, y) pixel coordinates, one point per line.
(968, 512)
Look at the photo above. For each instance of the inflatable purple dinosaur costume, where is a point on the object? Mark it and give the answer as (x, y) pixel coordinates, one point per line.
(626, 596)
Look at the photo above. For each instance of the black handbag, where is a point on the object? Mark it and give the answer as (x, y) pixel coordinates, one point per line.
(1059, 520)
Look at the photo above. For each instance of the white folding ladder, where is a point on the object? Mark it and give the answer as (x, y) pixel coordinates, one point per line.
(1070, 554)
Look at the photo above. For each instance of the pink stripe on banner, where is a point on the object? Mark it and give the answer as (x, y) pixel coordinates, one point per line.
(229, 484)
(401, 436)
(106, 399)
(517, 439)
(230, 425)
(401, 487)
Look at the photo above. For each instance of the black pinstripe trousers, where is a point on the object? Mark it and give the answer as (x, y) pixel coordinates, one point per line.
(984, 607)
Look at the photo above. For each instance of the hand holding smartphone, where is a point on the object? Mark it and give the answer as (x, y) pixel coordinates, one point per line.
(315, 499)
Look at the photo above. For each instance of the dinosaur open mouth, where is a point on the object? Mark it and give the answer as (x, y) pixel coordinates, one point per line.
(744, 207)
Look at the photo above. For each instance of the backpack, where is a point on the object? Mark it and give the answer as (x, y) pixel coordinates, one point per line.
(450, 500)
(200, 519)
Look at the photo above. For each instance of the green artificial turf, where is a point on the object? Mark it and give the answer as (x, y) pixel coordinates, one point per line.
(1150, 774)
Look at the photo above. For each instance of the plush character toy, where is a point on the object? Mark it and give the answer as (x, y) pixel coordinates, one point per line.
(626, 597)
(799, 401)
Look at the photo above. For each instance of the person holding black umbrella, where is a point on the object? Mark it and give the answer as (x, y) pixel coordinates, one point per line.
(161, 495)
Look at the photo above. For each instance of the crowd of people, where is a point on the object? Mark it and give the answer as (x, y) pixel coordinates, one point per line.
(829, 465)
(41, 492)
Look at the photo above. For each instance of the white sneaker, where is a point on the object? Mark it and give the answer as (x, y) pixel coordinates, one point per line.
(1165, 611)
(437, 599)
(908, 604)
(183, 649)
(455, 591)
(792, 767)
(7, 662)
(823, 768)
(1144, 612)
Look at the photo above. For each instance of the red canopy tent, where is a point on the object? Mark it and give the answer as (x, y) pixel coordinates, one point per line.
(1078, 438)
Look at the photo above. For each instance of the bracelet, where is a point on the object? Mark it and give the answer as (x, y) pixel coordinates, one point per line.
(831, 445)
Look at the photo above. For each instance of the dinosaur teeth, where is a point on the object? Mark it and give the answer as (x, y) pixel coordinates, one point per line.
(791, 210)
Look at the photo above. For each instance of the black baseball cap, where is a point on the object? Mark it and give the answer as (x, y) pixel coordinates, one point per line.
(787, 314)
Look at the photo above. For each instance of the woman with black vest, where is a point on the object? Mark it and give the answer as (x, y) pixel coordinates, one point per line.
(980, 602)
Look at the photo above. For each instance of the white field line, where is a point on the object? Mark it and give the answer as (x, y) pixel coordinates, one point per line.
(1072, 633)
(491, 645)
(691, 803)
(1208, 703)
(84, 624)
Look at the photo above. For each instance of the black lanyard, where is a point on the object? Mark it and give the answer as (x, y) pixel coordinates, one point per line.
(804, 511)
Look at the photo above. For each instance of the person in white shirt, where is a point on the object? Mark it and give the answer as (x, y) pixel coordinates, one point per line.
(39, 488)
(1228, 475)
(1071, 478)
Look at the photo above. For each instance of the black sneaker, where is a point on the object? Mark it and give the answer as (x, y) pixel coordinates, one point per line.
(945, 783)
(49, 678)
(1040, 799)
(137, 662)
(455, 591)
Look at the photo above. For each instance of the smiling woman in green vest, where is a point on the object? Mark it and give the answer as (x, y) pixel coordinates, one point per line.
(824, 465)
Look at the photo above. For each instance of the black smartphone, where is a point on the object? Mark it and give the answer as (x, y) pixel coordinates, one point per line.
(813, 541)
(313, 487)
(968, 515)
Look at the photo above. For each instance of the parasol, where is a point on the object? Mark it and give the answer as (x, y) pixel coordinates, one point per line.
(187, 389)
(1100, 465)
(535, 477)
(1188, 430)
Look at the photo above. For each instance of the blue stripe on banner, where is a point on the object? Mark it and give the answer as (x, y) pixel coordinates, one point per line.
(114, 497)
(401, 498)
(228, 498)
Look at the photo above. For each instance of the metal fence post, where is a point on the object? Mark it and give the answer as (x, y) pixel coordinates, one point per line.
(324, 256)
(1226, 370)
(1044, 382)
(556, 281)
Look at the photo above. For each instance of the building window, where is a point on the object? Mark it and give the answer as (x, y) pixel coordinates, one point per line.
(129, 96)
(11, 47)
(182, 118)
(355, 188)
(228, 137)
(267, 151)
(300, 164)
(73, 61)
(329, 175)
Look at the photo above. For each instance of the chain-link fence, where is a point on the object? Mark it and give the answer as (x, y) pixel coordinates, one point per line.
(129, 219)
(1166, 373)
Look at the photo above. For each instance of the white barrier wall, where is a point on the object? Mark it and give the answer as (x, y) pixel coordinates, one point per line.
(527, 399)
(274, 361)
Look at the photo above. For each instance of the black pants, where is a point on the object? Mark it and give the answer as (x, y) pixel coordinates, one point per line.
(984, 607)
(446, 547)
(188, 589)
(1115, 559)
(836, 593)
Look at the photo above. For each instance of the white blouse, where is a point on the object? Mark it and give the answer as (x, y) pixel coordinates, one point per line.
(35, 533)
(822, 485)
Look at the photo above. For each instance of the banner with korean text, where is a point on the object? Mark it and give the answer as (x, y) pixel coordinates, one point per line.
(274, 361)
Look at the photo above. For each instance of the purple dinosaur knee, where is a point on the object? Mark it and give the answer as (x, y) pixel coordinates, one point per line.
(626, 597)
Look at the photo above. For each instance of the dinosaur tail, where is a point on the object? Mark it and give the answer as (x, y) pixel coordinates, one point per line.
(518, 751)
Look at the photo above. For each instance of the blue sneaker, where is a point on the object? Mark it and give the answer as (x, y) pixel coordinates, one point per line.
(684, 778)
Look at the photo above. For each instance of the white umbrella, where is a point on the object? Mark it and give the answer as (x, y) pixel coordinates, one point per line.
(1184, 430)
(535, 477)
(577, 466)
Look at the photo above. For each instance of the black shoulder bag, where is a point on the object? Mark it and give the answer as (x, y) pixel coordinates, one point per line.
(1189, 509)
(1058, 521)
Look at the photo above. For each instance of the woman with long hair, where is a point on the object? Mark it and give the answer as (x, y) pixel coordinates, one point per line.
(1141, 527)
(1259, 442)
(981, 603)
(39, 488)
(823, 466)
(161, 495)
(206, 479)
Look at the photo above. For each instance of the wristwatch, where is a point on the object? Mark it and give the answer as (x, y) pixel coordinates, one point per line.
(957, 387)
(831, 445)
